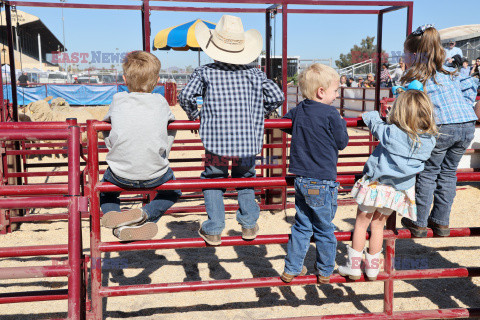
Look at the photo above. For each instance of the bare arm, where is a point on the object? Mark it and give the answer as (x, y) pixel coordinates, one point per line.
(477, 110)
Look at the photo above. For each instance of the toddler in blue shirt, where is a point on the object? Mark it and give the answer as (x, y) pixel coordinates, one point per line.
(318, 133)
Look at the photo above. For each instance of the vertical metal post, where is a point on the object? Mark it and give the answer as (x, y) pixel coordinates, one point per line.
(146, 25)
(40, 52)
(75, 296)
(11, 55)
(389, 269)
(285, 93)
(379, 60)
(409, 18)
(268, 42)
(96, 255)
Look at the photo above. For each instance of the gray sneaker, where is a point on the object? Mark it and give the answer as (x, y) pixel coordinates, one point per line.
(115, 219)
(250, 234)
(211, 239)
(145, 231)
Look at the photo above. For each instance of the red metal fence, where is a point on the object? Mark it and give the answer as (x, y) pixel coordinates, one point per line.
(40, 196)
(388, 276)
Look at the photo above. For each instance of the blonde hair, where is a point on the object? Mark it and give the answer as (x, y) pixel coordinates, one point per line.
(412, 112)
(141, 70)
(429, 56)
(316, 76)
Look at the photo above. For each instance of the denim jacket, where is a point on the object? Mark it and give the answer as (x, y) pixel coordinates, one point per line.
(394, 161)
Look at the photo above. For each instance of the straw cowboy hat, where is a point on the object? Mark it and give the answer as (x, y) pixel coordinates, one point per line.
(228, 42)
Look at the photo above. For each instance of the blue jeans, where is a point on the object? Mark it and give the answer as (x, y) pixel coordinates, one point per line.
(248, 212)
(164, 199)
(437, 182)
(316, 204)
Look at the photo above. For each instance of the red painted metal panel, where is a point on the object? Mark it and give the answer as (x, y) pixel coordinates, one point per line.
(33, 251)
(34, 272)
(206, 9)
(74, 5)
(326, 11)
(44, 295)
(33, 189)
(261, 283)
(31, 134)
(38, 202)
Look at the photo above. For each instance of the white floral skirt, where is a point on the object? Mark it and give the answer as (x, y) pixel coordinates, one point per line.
(374, 194)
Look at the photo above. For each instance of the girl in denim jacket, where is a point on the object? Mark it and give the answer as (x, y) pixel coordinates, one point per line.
(388, 184)
(453, 97)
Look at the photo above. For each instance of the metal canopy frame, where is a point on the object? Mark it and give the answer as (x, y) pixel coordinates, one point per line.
(281, 6)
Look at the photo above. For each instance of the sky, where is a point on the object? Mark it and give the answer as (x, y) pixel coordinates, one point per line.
(310, 36)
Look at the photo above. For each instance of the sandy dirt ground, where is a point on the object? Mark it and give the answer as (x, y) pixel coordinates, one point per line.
(164, 266)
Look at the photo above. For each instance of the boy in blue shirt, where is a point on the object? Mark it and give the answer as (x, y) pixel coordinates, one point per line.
(318, 133)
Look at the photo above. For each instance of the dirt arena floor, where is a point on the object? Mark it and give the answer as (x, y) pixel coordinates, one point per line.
(163, 266)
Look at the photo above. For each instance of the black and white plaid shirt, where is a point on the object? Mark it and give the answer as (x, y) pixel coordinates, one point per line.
(235, 100)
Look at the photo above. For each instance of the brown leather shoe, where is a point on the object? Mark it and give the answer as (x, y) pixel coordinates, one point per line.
(322, 280)
(438, 229)
(211, 239)
(289, 277)
(416, 231)
(250, 234)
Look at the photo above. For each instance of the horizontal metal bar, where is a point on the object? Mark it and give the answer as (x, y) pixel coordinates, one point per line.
(34, 272)
(44, 217)
(74, 5)
(195, 125)
(34, 125)
(326, 11)
(274, 282)
(308, 2)
(31, 296)
(34, 202)
(399, 315)
(206, 9)
(33, 189)
(32, 134)
(259, 240)
(25, 251)
(391, 9)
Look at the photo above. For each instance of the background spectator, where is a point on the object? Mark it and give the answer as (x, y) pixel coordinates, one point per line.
(343, 81)
(454, 55)
(385, 78)
(475, 72)
(361, 83)
(23, 80)
(370, 82)
(398, 73)
(352, 83)
(465, 71)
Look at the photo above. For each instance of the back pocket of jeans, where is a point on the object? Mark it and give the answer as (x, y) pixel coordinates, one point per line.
(315, 195)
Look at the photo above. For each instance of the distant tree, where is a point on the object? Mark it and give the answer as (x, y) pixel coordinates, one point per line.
(189, 69)
(367, 50)
(175, 71)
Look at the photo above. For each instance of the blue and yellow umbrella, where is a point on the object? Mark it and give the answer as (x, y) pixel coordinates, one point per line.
(181, 37)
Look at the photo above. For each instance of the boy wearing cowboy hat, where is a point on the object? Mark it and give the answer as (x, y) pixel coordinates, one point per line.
(236, 97)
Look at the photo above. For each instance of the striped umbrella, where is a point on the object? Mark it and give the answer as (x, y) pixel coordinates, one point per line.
(180, 38)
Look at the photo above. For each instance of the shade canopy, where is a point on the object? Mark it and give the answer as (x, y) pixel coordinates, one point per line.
(181, 37)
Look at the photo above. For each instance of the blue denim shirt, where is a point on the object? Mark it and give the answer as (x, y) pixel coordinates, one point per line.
(395, 162)
(453, 97)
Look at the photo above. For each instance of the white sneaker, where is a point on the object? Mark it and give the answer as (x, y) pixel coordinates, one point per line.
(352, 268)
(115, 219)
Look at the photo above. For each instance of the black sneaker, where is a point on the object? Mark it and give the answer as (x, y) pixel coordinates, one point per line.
(416, 231)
